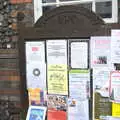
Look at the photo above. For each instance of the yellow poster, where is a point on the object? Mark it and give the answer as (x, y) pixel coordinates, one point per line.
(116, 109)
(57, 79)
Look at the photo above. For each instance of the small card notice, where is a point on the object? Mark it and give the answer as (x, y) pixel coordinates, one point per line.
(36, 113)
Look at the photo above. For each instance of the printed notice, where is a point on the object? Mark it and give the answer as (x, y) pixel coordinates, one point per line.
(79, 84)
(35, 51)
(78, 110)
(100, 52)
(115, 86)
(115, 46)
(57, 52)
(36, 75)
(57, 79)
(101, 79)
(79, 54)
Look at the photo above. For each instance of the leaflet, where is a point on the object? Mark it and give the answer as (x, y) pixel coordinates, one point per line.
(35, 51)
(101, 77)
(57, 52)
(36, 113)
(57, 79)
(36, 75)
(115, 86)
(78, 110)
(79, 84)
(79, 54)
(115, 46)
(100, 52)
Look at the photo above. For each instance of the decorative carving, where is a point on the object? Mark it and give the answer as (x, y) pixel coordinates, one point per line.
(67, 19)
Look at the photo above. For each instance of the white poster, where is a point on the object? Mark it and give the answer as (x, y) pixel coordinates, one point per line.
(109, 118)
(79, 54)
(101, 79)
(36, 75)
(115, 46)
(115, 86)
(35, 51)
(57, 52)
(79, 84)
(100, 51)
(78, 110)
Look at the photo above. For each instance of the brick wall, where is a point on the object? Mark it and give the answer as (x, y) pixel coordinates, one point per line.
(12, 11)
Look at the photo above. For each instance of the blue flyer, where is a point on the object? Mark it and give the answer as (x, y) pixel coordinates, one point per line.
(36, 113)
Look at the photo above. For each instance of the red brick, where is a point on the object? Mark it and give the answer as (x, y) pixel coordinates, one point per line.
(20, 1)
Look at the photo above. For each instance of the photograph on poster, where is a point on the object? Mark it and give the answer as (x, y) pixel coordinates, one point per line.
(115, 86)
(100, 51)
(78, 54)
(36, 113)
(57, 107)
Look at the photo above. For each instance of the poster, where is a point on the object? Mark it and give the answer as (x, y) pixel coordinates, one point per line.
(36, 75)
(101, 77)
(79, 84)
(36, 113)
(79, 54)
(57, 107)
(57, 52)
(35, 51)
(100, 52)
(57, 81)
(78, 110)
(115, 86)
(115, 46)
(36, 96)
(116, 110)
(102, 106)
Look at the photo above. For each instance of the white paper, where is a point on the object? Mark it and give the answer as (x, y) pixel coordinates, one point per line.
(114, 118)
(109, 118)
(79, 54)
(35, 51)
(101, 79)
(36, 75)
(115, 46)
(78, 110)
(100, 52)
(79, 82)
(115, 86)
(57, 52)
